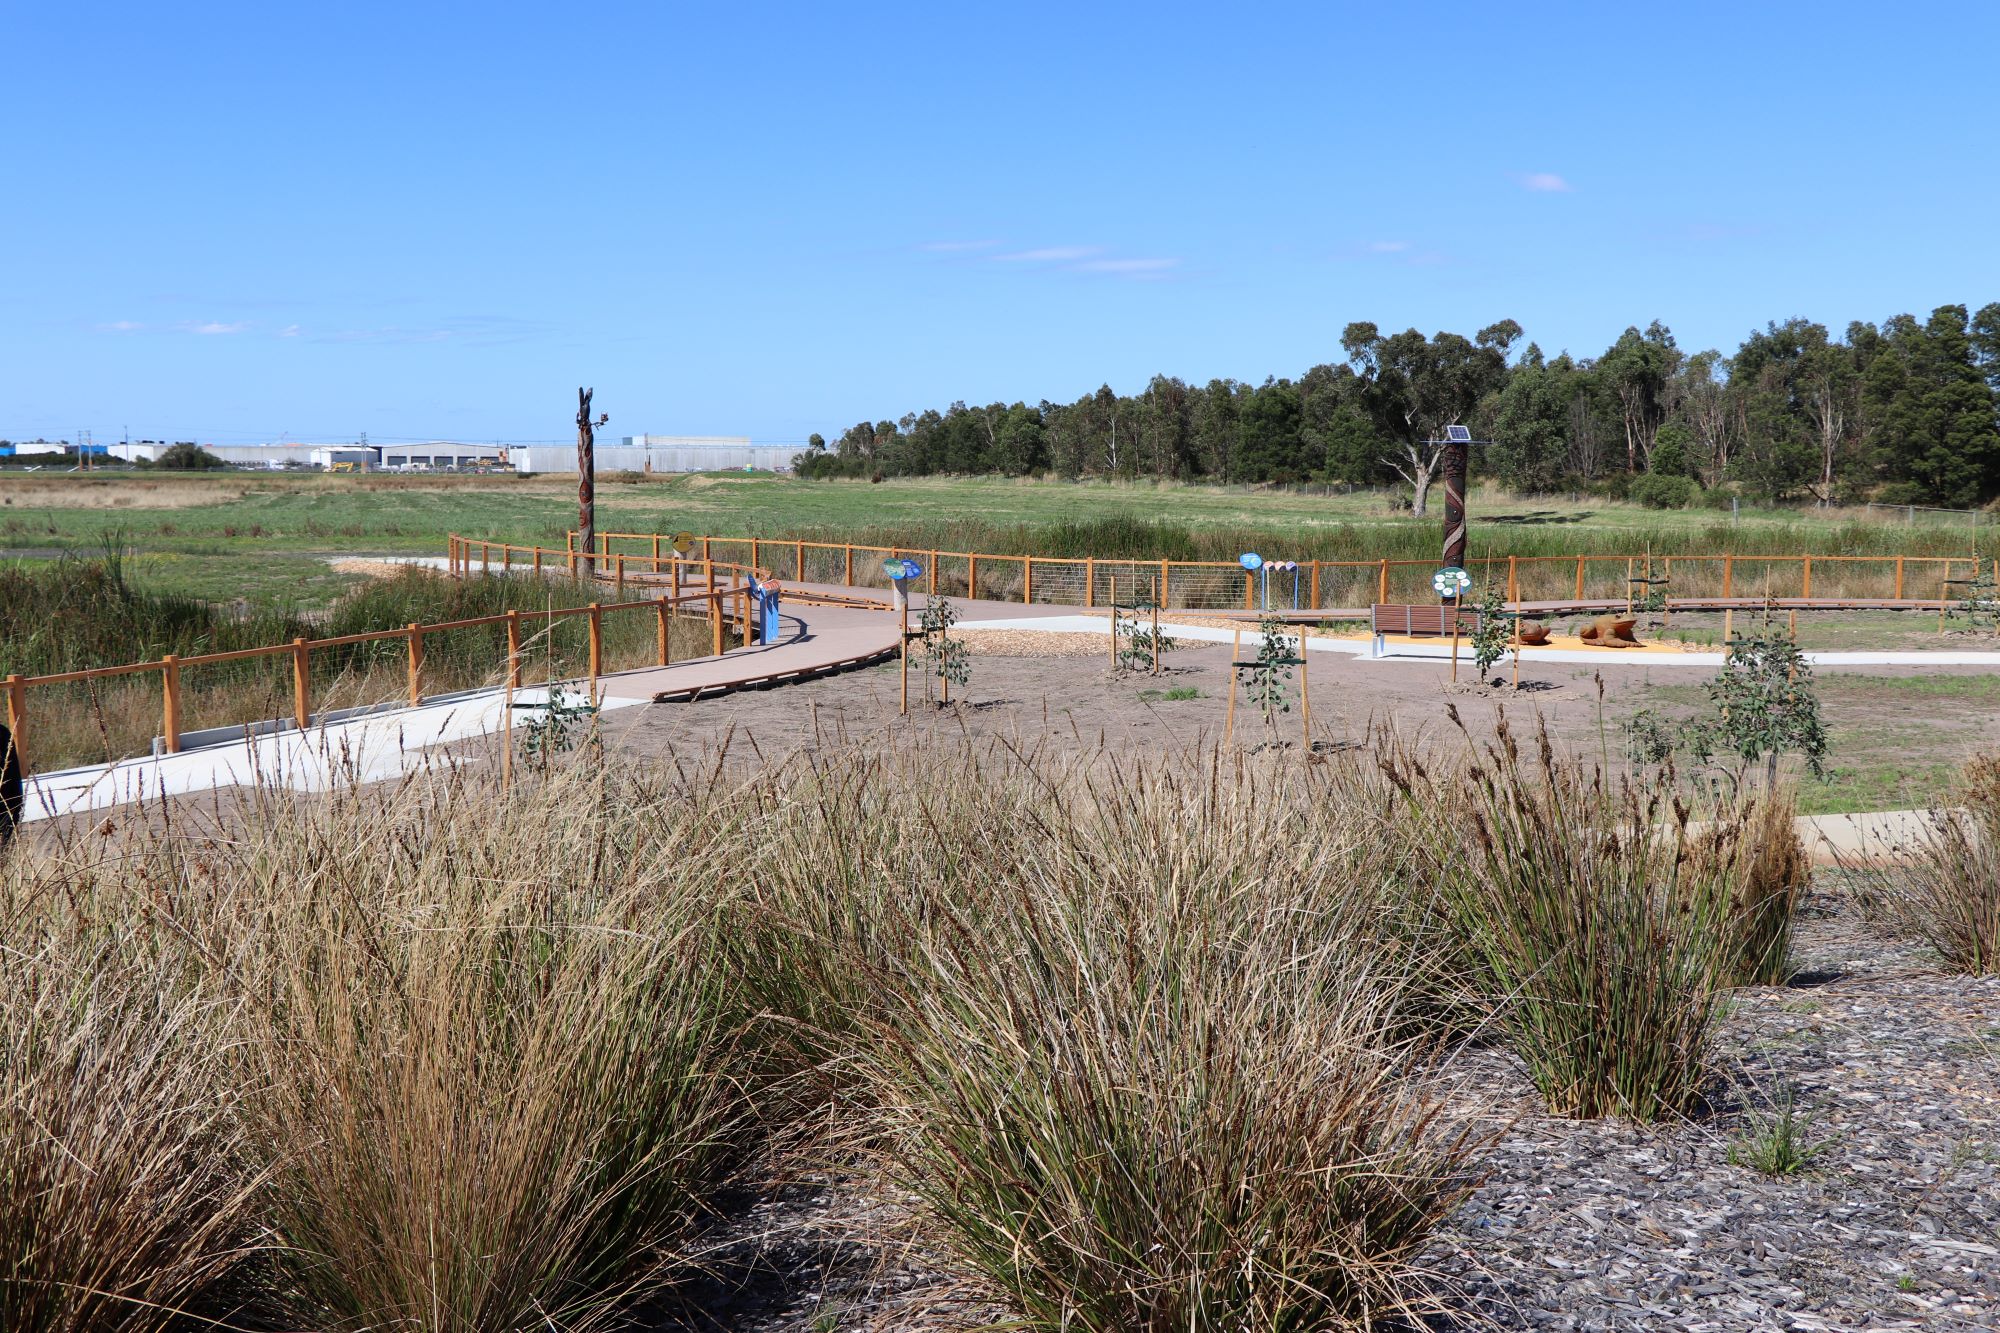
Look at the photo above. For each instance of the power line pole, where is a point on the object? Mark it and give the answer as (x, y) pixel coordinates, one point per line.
(586, 480)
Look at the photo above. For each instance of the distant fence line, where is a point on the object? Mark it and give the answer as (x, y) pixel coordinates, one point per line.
(1313, 584)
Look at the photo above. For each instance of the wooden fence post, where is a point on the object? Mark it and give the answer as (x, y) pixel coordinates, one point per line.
(170, 702)
(715, 621)
(1806, 591)
(847, 565)
(971, 575)
(1729, 576)
(506, 558)
(743, 610)
(1382, 585)
(569, 546)
(416, 633)
(1513, 580)
(596, 647)
(1249, 591)
(755, 562)
(485, 558)
(800, 572)
(666, 651)
(1089, 582)
(656, 553)
(1899, 578)
(619, 566)
(704, 548)
(1312, 597)
(538, 562)
(301, 684)
(513, 649)
(934, 563)
(1027, 579)
(17, 720)
(1579, 578)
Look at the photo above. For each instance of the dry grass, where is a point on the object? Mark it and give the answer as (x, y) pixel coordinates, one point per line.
(1153, 1045)
(1129, 1039)
(124, 1192)
(1946, 891)
(1603, 920)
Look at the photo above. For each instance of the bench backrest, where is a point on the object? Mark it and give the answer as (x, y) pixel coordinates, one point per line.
(1394, 619)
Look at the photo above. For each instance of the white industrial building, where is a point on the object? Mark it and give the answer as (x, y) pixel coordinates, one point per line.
(248, 455)
(439, 454)
(659, 453)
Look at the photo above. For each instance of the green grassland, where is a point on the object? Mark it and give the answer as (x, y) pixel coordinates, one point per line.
(246, 512)
(1898, 741)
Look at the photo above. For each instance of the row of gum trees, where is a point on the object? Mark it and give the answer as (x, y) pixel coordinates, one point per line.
(1906, 412)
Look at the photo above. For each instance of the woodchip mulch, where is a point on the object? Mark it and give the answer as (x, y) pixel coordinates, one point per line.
(1600, 1225)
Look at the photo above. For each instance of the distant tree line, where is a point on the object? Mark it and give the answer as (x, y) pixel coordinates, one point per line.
(1906, 412)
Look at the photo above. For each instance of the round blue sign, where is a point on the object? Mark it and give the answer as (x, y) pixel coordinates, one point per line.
(1250, 560)
(911, 569)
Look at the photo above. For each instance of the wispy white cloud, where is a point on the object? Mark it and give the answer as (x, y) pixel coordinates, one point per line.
(475, 330)
(212, 327)
(1543, 182)
(1388, 247)
(1050, 254)
(289, 331)
(121, 326)
(1130, 268)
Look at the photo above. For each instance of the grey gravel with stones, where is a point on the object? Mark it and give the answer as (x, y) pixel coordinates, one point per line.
(1599, 1225)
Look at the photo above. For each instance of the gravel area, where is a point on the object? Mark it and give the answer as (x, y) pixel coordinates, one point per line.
(1893, 1224)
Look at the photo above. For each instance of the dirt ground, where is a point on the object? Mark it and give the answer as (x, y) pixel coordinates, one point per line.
(1899, 733)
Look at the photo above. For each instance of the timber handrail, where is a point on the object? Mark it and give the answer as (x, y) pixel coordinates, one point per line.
(1096, 580)
(722, 583)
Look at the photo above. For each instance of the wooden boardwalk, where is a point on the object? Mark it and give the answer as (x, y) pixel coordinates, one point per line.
(827, 628)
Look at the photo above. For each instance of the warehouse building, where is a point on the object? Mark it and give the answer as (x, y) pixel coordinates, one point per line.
(238, 455)
(660, 453)
(439, 455)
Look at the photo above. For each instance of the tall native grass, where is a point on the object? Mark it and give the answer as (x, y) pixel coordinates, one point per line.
(126, 1201)
(468, 1064)
(1154, 1044)
(1126, 1036)
(1606, 918)
(1944, 888)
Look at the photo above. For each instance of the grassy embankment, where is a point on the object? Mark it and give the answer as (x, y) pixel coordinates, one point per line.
(1152, 1047)
(80, 612)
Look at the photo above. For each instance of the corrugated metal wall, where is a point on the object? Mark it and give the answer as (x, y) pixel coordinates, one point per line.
(619, 458)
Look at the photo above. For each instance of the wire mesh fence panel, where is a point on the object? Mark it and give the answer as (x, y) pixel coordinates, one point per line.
(1123, 582)
(1000, 578)
(1204, 587)
(1057, 582)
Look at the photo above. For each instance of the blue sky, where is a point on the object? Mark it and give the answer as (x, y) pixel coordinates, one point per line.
(231, 222)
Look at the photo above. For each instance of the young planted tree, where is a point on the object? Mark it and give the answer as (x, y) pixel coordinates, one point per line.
(1493, 631)
(1271, 670)
(944, 658)
(1764, 704)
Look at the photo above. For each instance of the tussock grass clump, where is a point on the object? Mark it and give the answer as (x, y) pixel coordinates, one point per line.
(1770, 871)
(1128, 1038)
(494, 1062)
(1947, 890)
(460, 1063)
(123, 1198)
(1603, 928)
